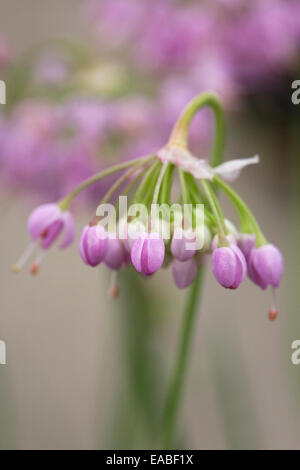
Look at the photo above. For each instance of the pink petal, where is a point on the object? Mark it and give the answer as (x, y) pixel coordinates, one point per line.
(115, 253)
(241, 266)
(81, 246)
(69, 229)
(153, 254)
(52, 232)
(41, 218)
(184, 272)
(224, 266)
(136, 251)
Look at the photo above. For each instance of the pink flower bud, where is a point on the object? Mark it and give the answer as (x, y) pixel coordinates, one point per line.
(246, 242)
(93, 244)
(147, 253)
(46, 223)
(115, 253)
(181, 244)
(184, 272)
(130, 231)
(265, 266)
(229, 266)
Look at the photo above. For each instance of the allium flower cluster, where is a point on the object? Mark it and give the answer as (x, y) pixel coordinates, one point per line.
(156, 230)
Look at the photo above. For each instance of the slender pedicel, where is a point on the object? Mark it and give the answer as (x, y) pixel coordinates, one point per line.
(114, 289)
(24, 257)
(65, 203)
(273, 312)
(35, 267)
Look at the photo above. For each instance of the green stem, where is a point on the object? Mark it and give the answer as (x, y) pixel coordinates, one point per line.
(195, 190)
(245, 214)
(179, 137)
(216, 209)
(176, 384)
(131, 185)
(165, 196)
(184, 187)
(64, 203)
(121, 180)
(146, 183)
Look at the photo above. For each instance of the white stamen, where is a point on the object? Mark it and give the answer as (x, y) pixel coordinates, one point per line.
(37, 263)
(24, 257)
(273, 301)
(273, 313)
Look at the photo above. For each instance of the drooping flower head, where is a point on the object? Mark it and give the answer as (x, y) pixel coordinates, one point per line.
(168, 234)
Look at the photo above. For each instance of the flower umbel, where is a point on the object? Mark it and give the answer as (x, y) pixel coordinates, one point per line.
(169, 235)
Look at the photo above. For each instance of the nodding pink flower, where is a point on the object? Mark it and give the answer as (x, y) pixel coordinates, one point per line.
(229, 266)
(46, 223)
(93, 244)
(246, 242)
(181, 240)
(115, 252)
(184, 272)
(265, 266)
(147, 253)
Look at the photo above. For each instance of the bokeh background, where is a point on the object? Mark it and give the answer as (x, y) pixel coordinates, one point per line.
(86, 372)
